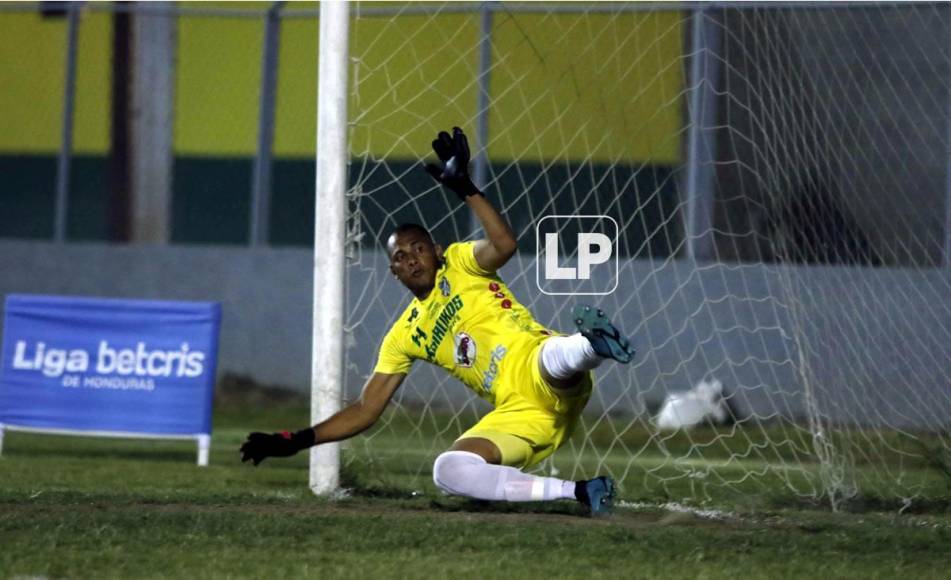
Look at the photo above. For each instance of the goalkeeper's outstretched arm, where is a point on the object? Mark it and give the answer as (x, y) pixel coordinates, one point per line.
(452, 171)
(349, 421)
(362, 413)
(499, 246)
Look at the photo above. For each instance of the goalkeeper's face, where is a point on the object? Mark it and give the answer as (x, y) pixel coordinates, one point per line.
(414, 260)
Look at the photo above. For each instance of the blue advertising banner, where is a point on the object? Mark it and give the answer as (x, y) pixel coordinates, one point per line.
(105, 365)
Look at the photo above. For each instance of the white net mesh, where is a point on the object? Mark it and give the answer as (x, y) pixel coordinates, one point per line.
(823, 307)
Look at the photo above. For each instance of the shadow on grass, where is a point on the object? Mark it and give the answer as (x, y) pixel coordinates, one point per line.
(360, 487)
(455, 505)
(169, 456)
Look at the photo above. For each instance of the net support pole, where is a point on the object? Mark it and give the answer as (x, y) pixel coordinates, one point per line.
(480, 169)
(261, 179)
(946, 258)
(701, 148)
(66, 146)
(154, 45)
(329, 238)
(947, 219)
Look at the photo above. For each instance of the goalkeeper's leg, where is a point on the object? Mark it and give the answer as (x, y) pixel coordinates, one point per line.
(565, 359)
(469, 474)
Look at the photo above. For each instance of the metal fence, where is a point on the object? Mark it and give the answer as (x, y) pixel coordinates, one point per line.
(716, 35)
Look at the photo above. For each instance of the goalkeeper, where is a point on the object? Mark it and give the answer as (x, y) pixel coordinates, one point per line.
(464, 319)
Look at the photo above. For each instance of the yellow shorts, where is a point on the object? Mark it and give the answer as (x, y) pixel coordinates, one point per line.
(530, 420)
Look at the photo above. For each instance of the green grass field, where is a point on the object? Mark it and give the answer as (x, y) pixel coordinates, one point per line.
(101, 508)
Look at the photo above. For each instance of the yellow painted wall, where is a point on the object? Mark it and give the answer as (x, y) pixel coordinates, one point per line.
(32, 77)
(217, 84)
(415, 76)
(295, 130)
(402, 82)
(599, 87)
(605, 87)
(563, 86)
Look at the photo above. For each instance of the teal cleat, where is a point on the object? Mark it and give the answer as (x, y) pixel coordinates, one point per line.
(606, 340)
(597, 494)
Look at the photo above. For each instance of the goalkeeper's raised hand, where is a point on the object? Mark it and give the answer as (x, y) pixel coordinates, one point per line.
(260, 446)
(453, 169)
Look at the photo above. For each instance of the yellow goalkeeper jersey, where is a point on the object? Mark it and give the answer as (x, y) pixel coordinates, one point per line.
(470, 324)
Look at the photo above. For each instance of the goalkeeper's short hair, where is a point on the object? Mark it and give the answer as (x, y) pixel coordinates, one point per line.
(412, 227)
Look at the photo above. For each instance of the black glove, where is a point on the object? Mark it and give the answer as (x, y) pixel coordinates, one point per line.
(453, 152)
(262, 445)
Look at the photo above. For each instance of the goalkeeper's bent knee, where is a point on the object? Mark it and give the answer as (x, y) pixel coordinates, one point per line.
(452, 468)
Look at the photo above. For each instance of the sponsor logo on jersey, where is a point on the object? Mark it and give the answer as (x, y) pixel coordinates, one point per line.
(444, 286)
(465, 349)
(449, 314)
(488, 378)
(413, 315)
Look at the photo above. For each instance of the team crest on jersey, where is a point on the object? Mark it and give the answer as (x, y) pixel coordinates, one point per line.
(413, 315)
(444, 286)
(465, 350)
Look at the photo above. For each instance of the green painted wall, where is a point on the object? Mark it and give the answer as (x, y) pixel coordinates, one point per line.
(28, 197)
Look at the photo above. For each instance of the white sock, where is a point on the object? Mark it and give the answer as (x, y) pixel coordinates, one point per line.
(467, 474)
(565, 356)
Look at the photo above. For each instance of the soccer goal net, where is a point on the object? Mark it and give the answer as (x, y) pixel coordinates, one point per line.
(779, 178)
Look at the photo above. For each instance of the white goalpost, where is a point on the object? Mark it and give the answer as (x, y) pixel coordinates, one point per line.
(329, 237)
(779, 177)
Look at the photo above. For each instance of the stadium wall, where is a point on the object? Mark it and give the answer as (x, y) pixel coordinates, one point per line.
(852, 69)
(217, 92)
(713, 321)
(838, 108)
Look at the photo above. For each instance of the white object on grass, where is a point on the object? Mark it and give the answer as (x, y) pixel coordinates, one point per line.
(690, 408)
